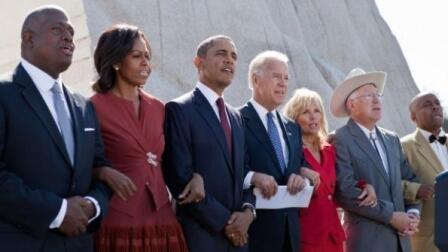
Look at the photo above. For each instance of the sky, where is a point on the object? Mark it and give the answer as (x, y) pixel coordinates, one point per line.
(421, 30)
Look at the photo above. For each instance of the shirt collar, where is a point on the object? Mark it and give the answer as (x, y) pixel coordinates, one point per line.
(366, 131)
(262, 111)
(209, 94)
(41, 79)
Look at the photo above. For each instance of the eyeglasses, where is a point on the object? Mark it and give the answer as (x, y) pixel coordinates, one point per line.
(370, 96)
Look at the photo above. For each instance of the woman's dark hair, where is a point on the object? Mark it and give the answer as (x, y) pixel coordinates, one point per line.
(113, 46)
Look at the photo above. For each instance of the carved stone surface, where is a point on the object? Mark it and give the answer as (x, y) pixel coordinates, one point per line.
(324, 39)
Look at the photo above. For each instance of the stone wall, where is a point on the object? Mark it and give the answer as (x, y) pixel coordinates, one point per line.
(324, 39)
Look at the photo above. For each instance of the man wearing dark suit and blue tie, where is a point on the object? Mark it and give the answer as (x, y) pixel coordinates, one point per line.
(49, 145)
(205, 135)
(274, 145)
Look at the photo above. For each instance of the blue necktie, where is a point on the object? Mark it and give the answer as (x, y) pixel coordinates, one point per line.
(64, 122)
(275, 140)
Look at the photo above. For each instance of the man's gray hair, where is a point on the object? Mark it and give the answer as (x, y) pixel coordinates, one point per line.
(257, 63)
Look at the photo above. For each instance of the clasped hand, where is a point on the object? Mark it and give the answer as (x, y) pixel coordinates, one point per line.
(79, 211)
(237, 227)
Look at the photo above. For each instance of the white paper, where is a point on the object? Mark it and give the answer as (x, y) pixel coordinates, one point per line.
(283, 199)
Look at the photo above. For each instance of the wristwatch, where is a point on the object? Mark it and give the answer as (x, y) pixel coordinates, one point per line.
(251, 208)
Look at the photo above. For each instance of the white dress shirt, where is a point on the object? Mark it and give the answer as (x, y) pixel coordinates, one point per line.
(212, 97)
(379, 145)
(439, 149)
(262, 114)
(44, 83)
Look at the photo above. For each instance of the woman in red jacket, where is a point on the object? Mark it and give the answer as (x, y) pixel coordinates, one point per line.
(321, 229)
(140, 217)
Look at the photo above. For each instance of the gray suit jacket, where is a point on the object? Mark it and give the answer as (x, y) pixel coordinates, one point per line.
(367, 228)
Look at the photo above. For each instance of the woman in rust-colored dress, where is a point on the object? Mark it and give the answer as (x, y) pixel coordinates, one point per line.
(140, 217)
(321, 228)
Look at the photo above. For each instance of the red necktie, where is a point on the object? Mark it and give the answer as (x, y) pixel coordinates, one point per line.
(225, 123)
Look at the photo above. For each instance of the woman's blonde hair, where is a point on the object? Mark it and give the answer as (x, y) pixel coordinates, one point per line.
(299, 102)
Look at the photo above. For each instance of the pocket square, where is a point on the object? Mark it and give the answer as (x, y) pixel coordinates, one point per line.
(89, 129)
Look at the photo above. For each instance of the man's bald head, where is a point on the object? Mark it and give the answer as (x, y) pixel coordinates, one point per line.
(427, 112)
(417, 99)
(35, 17)
(47, 39)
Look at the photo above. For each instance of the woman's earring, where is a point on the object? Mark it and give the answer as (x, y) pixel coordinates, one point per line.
(116, 67)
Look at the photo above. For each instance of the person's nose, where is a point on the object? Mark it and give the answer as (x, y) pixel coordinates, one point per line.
(67, 36)
(145, 61)
(229, 60)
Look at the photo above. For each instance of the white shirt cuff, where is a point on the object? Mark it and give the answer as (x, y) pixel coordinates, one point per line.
(56, 223)
(97, 208)
(413, 211)
(247, 180)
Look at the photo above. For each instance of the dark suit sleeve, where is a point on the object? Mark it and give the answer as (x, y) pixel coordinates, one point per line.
(347, 190)
(98, 190)
(248, 195)
(178, 168)
(29, 209)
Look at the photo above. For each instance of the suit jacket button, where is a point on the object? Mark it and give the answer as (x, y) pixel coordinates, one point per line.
(73, 186)
(330, 197)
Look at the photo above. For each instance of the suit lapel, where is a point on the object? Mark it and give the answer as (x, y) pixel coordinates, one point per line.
(206, 112)
(287, 135)
(365, 145)
(255, 125)
(427, 152)
(326, 176)
(38, 105)
(388, 144)
(75, 112)
(133, 126)
(236, 138)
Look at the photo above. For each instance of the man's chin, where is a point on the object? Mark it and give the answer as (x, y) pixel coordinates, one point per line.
(225, 83)
(437, 122)
(64, 65)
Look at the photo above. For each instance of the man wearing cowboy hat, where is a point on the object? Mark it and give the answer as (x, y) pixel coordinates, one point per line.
(366, 152)
(426, 150)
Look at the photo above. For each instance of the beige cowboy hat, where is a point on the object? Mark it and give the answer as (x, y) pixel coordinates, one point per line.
(354, 80)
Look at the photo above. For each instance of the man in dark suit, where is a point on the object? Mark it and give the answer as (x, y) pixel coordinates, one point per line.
(274, 145)
(206, 136)
(49, 145)
(441, 208)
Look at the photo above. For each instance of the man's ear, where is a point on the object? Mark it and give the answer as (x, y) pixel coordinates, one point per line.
(197, 61)
(349, 104)
(413, 117)
(254, 78)
(27, 38)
